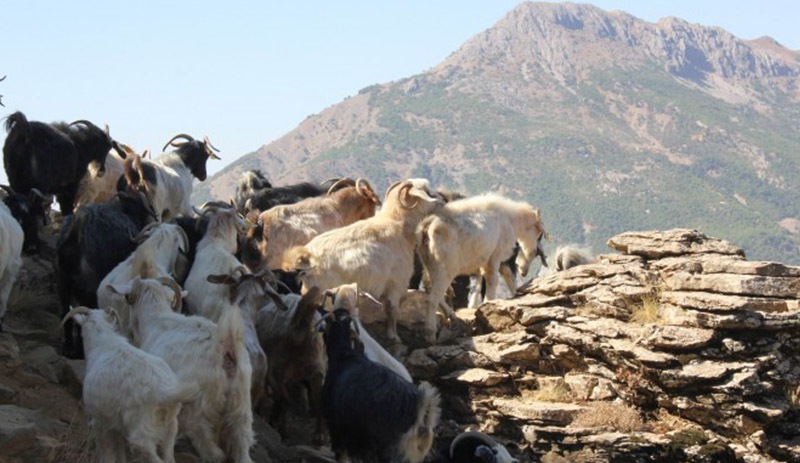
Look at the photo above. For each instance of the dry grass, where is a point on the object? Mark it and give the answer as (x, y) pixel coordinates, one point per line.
(648, 311)
(617, 416)
(551, 391)
(76, 442)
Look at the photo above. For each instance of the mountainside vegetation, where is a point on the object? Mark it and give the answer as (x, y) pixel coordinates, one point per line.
(604, 121)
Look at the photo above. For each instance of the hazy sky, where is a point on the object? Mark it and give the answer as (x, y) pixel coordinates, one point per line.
(245, 73)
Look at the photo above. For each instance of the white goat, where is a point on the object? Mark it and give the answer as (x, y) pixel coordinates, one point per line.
(346, 297)
(155, 257)
(167, 179)
(376, 253)
(11, 239)
(128, 393)
(283, 227)
(471, 234)
(198, 350)
(249, 293)
(214, 256)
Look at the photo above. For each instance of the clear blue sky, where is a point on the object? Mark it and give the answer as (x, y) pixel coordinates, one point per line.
(246, 73)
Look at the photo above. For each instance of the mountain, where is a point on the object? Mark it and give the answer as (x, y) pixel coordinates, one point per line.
(606, 122)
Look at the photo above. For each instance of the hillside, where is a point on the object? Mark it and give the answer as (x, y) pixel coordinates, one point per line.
(604, 121)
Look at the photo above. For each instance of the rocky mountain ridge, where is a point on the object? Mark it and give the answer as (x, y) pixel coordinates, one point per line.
(605, 121)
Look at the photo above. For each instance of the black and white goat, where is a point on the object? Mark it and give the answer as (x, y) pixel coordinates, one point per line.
(167, 179)
(474, 447)
(372, 413)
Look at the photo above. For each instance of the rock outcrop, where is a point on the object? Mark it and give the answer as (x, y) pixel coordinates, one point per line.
(677, 348)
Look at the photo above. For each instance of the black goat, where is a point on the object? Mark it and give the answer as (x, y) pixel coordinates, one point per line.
(91, 243)
(31, 211)
(473, 447)
(373, 413)
(53, 157)
(250, 197)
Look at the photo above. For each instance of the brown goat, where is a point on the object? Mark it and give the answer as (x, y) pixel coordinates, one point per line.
(284, 227)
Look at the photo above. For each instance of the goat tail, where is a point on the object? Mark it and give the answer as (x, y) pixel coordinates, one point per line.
(237, 423)
(179, 393)
(298, 258)
(419, 439)
(429, 232)
(231, 345)
(17, 120)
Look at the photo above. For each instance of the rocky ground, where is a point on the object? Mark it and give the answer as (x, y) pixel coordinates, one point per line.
(675, 348)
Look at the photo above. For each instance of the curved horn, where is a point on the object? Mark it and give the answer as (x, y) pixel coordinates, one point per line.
(403, 193)
(184, 136)
(365, 189)
(177, 302)
(184, 237)
(73, 312)
(341, 181)
(144, 233)
(210, 148)
(41, 195)
(86, 123)
(276, 298)
(391, 187)
(10, 190)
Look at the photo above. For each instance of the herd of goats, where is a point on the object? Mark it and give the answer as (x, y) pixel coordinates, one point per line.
(207, 314)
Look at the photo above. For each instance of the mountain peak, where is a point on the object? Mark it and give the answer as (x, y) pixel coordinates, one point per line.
(569, 40)
(604, 120)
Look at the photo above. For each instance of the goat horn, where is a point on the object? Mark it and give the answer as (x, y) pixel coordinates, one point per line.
(341, 181)
(188, 138)
(276, 298)
(147, 206)
(73, 311)
(391, 187)
(210, 151)
(370, 297)
(322, 320)
(144, 233)
(401, 196)
(184, 237)
(84, 122)
(177, 302)
(41, 195)
(365, 189)
(10, 190)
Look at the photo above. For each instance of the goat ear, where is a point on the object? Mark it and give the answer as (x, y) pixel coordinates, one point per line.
(221, 279)
(113, 318)
(121, 289)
